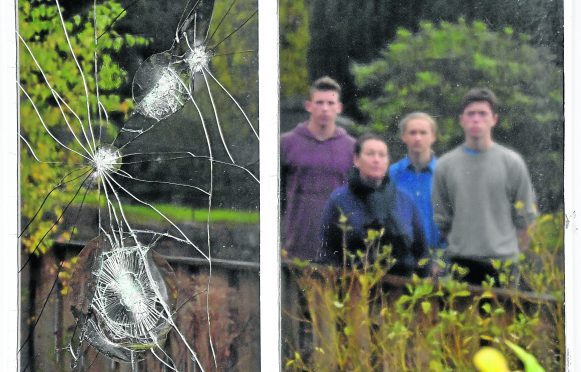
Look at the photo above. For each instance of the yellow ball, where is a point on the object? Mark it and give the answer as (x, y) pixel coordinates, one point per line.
(489, 359)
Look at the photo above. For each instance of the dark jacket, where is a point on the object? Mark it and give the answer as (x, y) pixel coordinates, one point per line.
(374, 208)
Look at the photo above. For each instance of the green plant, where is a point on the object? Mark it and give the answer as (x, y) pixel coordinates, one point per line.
(362, 320)
(42, 36)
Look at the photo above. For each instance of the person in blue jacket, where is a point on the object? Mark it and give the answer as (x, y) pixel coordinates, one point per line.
(414, 173)
(371, 201)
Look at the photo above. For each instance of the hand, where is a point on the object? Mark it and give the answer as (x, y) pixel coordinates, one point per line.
(524, 239)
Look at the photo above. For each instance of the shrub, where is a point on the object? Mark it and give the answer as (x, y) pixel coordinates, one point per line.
(432, 69)
(361, 319)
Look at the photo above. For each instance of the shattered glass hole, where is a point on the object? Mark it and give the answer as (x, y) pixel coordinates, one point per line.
(198, 59)
(126, 292)
(127, 295)
(131, 293)
(157, 88)
(107, 159)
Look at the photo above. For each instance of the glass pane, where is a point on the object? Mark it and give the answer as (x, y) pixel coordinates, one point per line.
(139, 185)
(386, 245)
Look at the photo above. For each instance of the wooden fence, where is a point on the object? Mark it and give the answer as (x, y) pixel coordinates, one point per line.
(234, 304)
(47, 323)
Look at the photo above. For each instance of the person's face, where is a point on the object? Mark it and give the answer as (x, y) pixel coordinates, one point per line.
(477, 120)
(373, 160)
(418, 136)
(324, 106)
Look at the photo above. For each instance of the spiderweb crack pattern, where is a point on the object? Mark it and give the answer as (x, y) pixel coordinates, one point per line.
(124, 294)
(130, 288)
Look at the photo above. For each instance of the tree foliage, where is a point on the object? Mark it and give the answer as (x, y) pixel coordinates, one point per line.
(432, 69)
(237, 56)
(41, 30)
(344, 31)
(294, 41)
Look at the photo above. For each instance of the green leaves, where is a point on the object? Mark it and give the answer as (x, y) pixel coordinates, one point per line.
(294, 41)
(434, 325)
(431, 69)
(529, 361)
(41, 28)
(426, 307)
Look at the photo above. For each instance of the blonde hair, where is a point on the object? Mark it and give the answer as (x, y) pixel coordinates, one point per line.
(418, 115)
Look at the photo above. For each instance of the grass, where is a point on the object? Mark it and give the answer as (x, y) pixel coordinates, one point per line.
(176, 213)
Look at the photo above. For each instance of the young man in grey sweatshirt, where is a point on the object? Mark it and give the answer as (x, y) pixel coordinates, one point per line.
(482, 195)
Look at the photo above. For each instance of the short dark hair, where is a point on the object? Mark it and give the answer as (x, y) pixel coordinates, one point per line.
(364, 138)
(325, 83)
(479, 95)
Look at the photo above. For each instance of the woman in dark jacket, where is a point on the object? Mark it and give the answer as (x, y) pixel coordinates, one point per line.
(371, 201)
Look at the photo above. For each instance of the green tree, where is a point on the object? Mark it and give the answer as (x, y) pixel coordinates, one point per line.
(41, 31)
(431, 70)
(294, 41)
(344, 31)
(541, 19)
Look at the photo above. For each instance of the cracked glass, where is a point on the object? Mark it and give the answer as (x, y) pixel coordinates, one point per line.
(139, 185)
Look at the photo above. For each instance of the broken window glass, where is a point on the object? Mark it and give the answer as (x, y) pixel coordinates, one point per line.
(139, 183)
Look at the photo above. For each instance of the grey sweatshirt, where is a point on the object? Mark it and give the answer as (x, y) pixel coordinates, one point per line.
(480, 199)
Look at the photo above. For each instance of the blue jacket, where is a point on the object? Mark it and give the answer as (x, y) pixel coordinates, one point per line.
(368, 208)
(419, 187)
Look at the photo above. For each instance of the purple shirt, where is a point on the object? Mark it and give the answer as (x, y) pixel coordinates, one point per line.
(310, 171)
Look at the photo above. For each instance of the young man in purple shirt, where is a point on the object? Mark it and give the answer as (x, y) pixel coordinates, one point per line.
(415, 171)
(315, 159)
